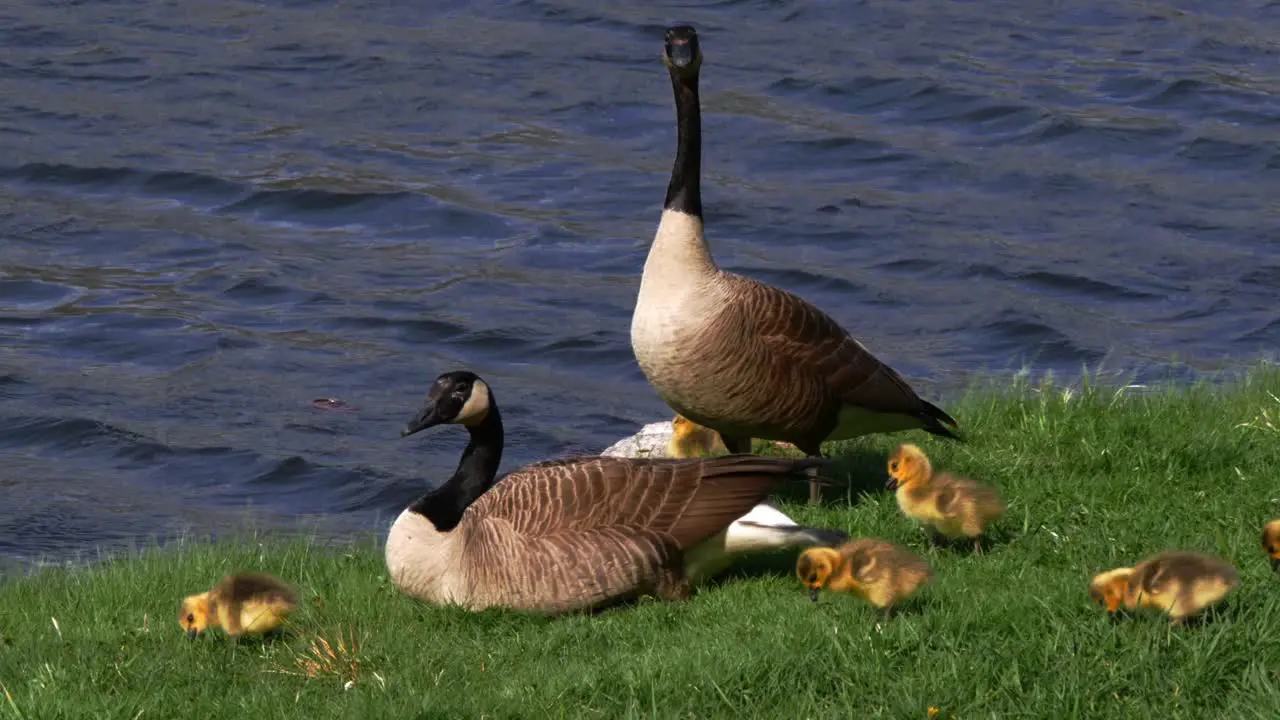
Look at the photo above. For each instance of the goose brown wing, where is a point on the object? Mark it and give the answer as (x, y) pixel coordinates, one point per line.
(568, 534)
(690, 500)
(795, 333)
(567, 569)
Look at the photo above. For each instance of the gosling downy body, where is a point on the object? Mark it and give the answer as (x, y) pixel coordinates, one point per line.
(247, 603)
(574, 534)
(878, 571)
(1271, 542)
(1177, 582)
(951, 506)
(742, 357)
(691, 440)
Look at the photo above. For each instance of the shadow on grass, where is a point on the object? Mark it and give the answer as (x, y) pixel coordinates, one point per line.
(774, 563)
(851, 475)
(258, 640)
(993, 539)
(848, 603)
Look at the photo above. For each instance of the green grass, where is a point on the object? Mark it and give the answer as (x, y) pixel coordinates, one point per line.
(1095, 478)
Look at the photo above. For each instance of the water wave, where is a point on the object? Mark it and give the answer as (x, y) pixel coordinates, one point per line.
(209, 219)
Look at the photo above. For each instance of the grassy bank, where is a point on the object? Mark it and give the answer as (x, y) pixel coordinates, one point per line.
(1095, 478)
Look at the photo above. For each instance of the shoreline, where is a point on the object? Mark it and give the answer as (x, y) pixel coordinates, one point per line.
(1095, 477)
(649, 440)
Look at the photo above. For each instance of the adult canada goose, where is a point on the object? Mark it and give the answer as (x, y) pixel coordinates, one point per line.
(741, 357)
(575, 534)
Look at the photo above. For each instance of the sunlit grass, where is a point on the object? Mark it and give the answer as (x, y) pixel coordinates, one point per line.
(1095, 477)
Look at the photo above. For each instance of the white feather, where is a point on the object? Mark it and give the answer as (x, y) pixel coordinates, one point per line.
(764, 527)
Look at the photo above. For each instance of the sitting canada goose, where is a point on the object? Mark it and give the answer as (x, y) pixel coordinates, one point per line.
(1177, 582)
(1271, 542)
(741, 357)
(246, 603)
(578, 533)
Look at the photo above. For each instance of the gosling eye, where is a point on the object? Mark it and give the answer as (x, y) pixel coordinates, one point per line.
(813, 578)
(191, 618)
(894, 466)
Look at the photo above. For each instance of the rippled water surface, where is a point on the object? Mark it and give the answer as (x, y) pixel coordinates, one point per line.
(212, 213)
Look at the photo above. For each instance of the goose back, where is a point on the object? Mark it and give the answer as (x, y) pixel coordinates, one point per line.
(758, 361)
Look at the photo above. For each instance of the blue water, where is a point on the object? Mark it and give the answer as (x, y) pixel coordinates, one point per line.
(212, 213)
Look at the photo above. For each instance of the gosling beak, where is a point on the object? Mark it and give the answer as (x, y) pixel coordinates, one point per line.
(813, 594)
(425, 418)
(191, 633)
(1275, 564)
(892, 483)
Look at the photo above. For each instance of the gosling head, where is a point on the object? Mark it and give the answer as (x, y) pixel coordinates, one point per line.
(1271, 542)
(459, 397)
(1109, 588)
(815, 566)
(908, 464)
(194, 615)
(681, 53)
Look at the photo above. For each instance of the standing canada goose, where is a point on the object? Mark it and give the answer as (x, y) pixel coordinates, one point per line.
(741, 357)
(579, 533)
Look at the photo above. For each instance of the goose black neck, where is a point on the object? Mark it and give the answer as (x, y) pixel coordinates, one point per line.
(476, 471)
(684, 192)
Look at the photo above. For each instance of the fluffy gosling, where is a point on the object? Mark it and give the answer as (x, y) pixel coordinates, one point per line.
(1178, 583)
(246, 603)
(876, 570)
(691, 440)
(1271, 542)
(952, 506)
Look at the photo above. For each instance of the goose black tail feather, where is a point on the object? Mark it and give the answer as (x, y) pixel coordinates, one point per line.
(934, 418)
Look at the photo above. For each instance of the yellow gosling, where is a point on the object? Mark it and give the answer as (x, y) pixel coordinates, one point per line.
(691, 440)
(952, 506)
(1178, 583)
(1271, 542)
(878, 571)
(242, 604)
